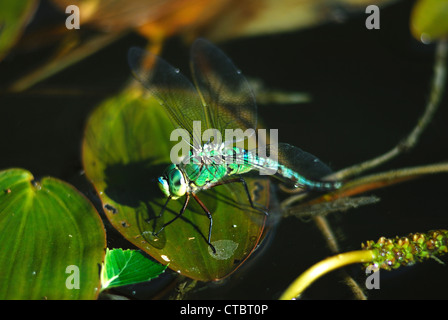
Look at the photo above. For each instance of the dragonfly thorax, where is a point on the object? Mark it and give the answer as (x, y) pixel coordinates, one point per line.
(207, 154)
(173, 183)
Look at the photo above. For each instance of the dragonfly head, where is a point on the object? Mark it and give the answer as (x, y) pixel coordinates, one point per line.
(172, 182)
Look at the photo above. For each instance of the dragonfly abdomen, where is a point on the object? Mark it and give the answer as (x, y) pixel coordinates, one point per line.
(248, 161)
(272, 167)
(300, 181)
(204, 171)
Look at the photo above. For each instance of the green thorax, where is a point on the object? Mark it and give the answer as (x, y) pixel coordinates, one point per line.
(209, 167)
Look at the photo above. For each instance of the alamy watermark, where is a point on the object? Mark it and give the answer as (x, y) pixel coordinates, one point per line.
(72, 281)
(373, 279)
(373, 20)
(209, 148)
(73, 20)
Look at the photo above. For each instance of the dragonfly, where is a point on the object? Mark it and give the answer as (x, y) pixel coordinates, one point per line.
(220, 98)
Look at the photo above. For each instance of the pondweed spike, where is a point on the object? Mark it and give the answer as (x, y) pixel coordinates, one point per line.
(404, 251)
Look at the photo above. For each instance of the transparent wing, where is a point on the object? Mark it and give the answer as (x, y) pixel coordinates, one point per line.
(302, 162)
(170, 87)
(228, 99)
(294, 158)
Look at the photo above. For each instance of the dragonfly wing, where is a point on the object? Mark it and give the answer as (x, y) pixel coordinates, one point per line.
(228, 99)
(302, 162)
(291, 157)
(170, 87)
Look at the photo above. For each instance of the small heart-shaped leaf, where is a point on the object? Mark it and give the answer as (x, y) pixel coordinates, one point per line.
(124, 267)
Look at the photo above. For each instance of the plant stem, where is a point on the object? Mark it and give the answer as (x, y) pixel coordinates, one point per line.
(323, 267)
(436, 93)
(387, 254)
(438, 83)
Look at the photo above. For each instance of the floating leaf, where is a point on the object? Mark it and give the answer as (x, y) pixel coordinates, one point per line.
(124, 267)
(14, 16)
(429, 20)
(52, 239)
(125, 148)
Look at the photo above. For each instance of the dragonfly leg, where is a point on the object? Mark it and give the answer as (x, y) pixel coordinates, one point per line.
(187, 199)
(164, 207)
(209, 216)
(243, 182)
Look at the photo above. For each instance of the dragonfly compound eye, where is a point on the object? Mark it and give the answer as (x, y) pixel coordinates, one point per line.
(177, 184)
(163, 185)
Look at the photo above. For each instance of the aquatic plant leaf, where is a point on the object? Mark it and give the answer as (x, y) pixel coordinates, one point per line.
(429, 20)
(52, 239)
(14, 15)
(126, 147)
(124, 267)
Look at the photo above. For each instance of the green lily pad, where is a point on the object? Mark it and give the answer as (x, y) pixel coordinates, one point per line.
(429, 20)
(14, 16)
(125, 148)
(52, 239)
(124, 267)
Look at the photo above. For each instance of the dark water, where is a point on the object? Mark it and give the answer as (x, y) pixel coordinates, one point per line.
(368, 87)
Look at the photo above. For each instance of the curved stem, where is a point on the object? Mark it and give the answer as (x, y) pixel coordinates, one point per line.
(438, 84)
(436, 93)
(323, 267)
